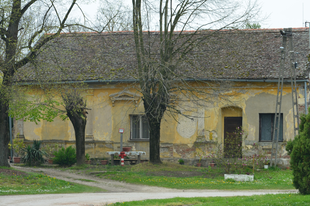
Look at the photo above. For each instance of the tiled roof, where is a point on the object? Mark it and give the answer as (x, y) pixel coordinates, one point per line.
(227, 54)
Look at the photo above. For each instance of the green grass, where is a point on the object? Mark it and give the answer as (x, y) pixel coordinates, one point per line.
(140, 174)
(39, 184)
(259, 200)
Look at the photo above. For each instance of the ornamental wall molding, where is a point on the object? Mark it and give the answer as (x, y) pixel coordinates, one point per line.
(125, 96)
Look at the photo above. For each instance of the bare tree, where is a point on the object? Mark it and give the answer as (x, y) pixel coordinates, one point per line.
(20, 33)
(114, 16)
(162, 56)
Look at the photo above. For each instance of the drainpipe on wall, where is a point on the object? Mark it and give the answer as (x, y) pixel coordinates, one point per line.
(10, 125)
(306, 105)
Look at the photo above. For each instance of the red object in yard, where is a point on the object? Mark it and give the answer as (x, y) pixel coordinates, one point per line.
(122, 155)
(17, 159)
(126, 149)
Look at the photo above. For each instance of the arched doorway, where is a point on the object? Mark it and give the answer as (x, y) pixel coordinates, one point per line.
(232, 120)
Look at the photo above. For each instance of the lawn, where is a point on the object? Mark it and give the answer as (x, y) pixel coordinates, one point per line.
(188, 177)
(256, 200)
(13, 182)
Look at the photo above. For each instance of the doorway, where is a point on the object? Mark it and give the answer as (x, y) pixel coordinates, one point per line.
(232, 141)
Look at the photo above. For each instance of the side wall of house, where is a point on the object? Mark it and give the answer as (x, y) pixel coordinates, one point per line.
(113, 105)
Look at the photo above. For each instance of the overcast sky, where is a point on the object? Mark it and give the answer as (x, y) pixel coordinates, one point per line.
(285, 13)
(280, 13)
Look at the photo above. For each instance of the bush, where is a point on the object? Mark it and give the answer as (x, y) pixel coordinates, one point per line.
(34, 155)
(65, 157)
(300, 153)
(289, 146)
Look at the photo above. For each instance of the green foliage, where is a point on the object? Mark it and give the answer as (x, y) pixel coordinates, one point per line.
(181, 161)
(65, 157)
(289, 146)
(252, 26)
(50, 149)
(87, 157)
(300, 156)
(18, 146)
(35, 112)
(34, 155)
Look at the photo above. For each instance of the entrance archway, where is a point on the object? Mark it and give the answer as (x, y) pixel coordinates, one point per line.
(232, 120)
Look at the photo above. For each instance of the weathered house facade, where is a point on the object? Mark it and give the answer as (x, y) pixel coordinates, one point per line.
(237, 70)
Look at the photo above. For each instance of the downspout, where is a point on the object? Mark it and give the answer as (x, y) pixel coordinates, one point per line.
(10, 125)
(306, 105)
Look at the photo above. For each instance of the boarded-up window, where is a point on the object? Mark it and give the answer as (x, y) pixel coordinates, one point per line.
(266, 125)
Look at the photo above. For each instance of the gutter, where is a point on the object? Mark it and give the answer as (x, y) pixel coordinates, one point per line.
(133, 80)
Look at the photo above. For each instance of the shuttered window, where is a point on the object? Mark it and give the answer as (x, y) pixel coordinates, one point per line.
(266, 124)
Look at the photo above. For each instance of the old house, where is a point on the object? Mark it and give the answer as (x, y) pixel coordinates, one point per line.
(238, 70)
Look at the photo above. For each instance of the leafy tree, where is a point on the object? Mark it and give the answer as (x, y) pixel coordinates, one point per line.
(300, 153)
(76, 111)
(161, 56)
(248, 25)
(19, 33)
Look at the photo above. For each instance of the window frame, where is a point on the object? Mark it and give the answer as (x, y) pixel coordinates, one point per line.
(141, 138)
(272, 127)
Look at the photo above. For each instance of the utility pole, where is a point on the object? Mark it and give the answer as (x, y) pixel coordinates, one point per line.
(286, 34)
(307, 22)
(277, 116)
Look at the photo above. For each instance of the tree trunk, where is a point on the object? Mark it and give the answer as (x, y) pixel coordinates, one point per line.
(154, 141)
(79, 124)
(4, 135)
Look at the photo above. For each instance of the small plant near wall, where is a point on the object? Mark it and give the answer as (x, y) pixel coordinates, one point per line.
(181, 161)
(50, 149)
(87, 157)
(65, 157)
(34, 155)
(18, 146)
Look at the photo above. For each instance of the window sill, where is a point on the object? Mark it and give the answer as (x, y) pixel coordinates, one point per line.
(139, 140)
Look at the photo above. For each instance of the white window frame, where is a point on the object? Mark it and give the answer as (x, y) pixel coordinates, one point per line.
(140, 127)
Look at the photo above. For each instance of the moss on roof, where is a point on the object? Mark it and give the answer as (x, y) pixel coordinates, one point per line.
(229, 54)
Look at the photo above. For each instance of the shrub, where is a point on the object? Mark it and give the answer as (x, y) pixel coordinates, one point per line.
(18, 146)
(233, 161)
(300, 161)
(34, 155)
(65, 157)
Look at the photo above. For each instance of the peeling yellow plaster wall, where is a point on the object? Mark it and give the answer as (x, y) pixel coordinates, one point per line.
(250, 99)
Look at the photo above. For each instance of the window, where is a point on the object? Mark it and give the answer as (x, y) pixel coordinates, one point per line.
(266, 124)
(139, 127)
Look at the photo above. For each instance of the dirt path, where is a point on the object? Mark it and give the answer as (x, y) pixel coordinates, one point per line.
(109, 185)
(116, 191)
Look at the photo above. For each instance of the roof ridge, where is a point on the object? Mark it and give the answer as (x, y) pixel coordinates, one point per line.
(186, 31)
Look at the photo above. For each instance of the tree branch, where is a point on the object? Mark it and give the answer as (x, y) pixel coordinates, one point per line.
(26, 7)
(41, 43)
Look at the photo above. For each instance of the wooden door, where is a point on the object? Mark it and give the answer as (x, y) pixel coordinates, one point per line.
(232, 142)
